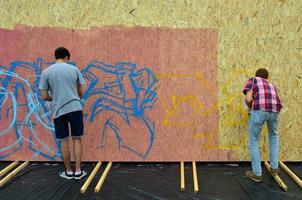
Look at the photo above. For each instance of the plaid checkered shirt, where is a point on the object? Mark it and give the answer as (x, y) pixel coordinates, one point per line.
(265, 96)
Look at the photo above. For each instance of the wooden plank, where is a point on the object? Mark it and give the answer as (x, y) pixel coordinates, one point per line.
(195, 179)
(13, 173)
(291, 174)
(182, 176)
(276, 177)
(8, 168)
(103, 177)
(91, 176)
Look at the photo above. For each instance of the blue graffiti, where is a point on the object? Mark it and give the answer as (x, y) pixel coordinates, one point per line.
(113, 96)
(126, 92)
(13, 88)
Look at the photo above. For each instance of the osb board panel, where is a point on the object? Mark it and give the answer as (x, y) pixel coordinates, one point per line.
(150, 93)
(252, 34)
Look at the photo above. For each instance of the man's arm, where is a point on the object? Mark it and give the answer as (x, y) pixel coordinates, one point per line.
(81, 89)
(249, 99)
(44, 87)
(81, 84)
(45, 95)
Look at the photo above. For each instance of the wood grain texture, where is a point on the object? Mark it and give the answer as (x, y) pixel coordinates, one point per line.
(252, 34)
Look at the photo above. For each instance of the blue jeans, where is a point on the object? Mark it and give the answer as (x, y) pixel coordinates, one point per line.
(256, 122)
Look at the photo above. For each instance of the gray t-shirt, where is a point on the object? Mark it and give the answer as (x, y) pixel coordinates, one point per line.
(61, 81)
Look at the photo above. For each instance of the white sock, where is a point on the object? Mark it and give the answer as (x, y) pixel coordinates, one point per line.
(69, 172)
(78, 172)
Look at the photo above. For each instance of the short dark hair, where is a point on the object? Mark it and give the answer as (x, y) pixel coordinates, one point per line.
(262, 72)
(61, 53)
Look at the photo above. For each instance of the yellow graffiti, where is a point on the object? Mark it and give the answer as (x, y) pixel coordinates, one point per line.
(191, 101)
(232, 103)
(210, 143)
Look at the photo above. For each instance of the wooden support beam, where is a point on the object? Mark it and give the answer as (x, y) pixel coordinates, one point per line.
(182, 176)
(13, 173)
(195, 179)
(8, 168)
(91, 176)
(277, 178)
(103, 177)
(291, 173)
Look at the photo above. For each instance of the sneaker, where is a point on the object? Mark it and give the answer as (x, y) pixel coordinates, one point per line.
(274, 172)
(252, 176)
(66, 175)
(80, 175)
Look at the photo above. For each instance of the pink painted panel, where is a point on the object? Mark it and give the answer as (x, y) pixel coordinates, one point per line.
(151, 93)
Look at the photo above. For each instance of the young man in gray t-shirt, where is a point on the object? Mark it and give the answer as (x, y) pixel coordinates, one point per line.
(62, 84)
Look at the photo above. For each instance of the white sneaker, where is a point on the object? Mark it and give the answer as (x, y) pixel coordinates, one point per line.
(80, 175)
(66, 175)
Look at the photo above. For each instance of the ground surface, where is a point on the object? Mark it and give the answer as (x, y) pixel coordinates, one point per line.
(157, 181)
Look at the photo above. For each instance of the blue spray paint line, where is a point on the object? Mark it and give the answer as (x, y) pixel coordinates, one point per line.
(112, 96)
(119, 103)
(11, 80)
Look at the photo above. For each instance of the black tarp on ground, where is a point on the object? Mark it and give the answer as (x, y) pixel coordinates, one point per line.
(219, 181)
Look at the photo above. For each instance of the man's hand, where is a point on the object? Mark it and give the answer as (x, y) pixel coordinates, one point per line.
(249, 99)
(45, 95)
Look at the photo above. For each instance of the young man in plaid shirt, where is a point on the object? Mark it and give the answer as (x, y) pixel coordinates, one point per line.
(263, 100)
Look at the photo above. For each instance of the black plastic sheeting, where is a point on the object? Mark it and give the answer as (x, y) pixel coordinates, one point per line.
(158, 181)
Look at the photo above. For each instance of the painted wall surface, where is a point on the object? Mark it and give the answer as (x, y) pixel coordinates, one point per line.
(187, 59)
(149, 92)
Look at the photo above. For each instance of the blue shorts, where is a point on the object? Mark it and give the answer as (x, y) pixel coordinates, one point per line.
(75, 120)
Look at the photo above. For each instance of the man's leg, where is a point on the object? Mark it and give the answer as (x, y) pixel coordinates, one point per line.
(77, 130)
(66, 155)
(272, 125)
(77, 151)
(62, 134)
(256, 122)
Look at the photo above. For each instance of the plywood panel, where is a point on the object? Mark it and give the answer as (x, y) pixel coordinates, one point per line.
(252, 34)
(150, 92)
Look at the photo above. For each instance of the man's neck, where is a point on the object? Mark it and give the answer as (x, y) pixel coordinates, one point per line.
(61, 60)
